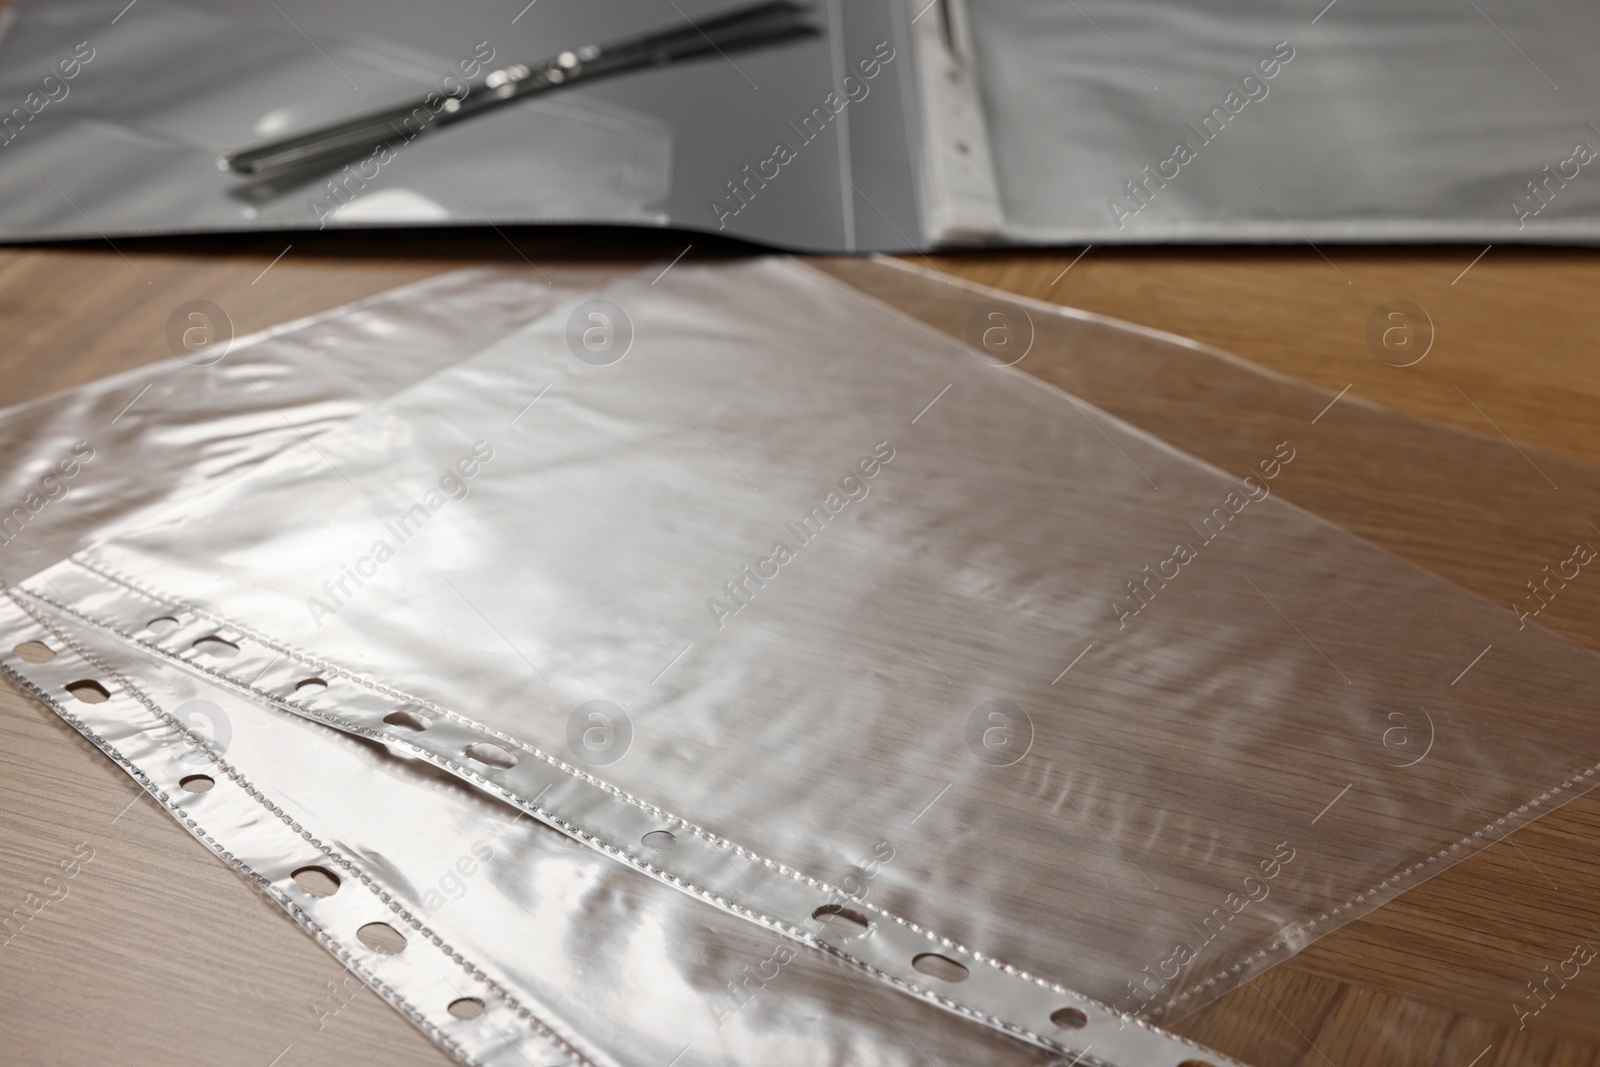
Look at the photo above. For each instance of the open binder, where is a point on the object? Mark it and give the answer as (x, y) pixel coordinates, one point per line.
(894, 125)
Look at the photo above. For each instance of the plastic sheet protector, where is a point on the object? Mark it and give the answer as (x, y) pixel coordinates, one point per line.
(979, 735)
(1264, 120)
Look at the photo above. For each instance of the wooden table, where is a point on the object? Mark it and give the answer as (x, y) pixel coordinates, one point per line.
(155, 938)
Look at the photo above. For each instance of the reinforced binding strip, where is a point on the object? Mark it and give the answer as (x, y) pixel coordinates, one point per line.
(421, 980)
(1006, 998)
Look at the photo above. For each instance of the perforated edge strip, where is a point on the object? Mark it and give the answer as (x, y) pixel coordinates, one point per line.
(420, 981)
(962, 200)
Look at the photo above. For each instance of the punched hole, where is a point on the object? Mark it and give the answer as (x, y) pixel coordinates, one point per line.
(35, 652)
(410, 720)
(197, 783)
(161, 624)
(659, 840)
(381, 937)
(310, 686)
(843, 921)
(466, 1008)
(316, 881)
(1070, 1019)
(216, 646)
(941, 967)
(492, 755)
(89, 691)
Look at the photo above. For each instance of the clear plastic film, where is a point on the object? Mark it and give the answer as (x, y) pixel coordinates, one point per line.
(1259, 120)
(89, 459)
(1200, 780)
(1535, 506)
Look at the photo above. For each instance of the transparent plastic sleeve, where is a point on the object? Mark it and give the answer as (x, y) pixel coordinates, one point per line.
(798, 574)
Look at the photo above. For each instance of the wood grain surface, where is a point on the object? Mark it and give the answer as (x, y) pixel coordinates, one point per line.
(155, 938)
